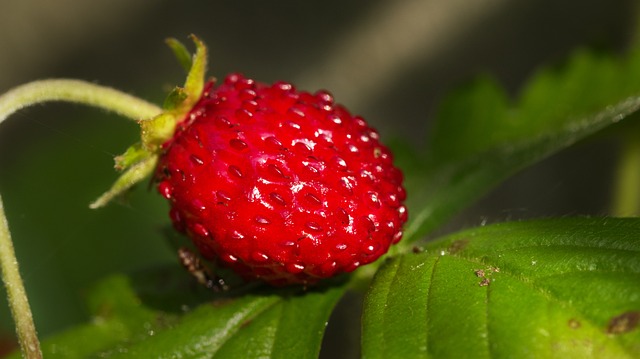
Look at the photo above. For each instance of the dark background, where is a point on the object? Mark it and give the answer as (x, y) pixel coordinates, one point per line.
(390, 61)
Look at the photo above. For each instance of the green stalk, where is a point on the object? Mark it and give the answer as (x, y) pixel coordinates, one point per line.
(626, 195)
(16, 295)
(23, 96)
(79, 92)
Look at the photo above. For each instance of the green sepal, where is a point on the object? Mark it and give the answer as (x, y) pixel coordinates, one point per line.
(133, 154)
(157, 131)
(179, 102)
(183, 99)
(139, 160)
(180, 51)
(195, 78)
(128, 179)
(176, 97)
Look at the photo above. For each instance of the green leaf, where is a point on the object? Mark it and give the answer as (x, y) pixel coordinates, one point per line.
(566, 288)
(252, 326)
(118, 316)
(480, 116)
(481, 137)
(472, 119)
(150, 317)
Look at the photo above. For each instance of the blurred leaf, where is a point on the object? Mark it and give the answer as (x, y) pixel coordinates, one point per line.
(479, 116)
(118, 317)
(132, 320)
(480, 138)
(567, 288)
(472, 119)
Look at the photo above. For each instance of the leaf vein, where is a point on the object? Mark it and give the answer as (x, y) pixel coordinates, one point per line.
(429, 299)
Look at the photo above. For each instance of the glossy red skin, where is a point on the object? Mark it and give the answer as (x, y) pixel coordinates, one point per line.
(281, 185)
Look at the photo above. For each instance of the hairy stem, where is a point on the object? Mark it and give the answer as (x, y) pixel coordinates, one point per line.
(626, 196)
(75, 91)
(16, 294)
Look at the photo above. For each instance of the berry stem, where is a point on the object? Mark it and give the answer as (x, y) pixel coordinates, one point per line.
(75, 91)
(626, 190)
(16, 294)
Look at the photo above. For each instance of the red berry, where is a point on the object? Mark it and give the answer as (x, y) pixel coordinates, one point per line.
(279, 184)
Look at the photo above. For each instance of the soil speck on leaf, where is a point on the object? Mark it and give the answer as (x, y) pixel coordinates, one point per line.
(458, 245)
(222, 302)
(624, 323)
(246, 323)
(574, 323)
(485, 274)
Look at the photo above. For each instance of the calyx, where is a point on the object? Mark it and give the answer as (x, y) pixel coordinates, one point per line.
(140, 159)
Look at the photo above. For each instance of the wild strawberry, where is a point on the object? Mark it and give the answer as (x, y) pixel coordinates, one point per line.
(277, 184)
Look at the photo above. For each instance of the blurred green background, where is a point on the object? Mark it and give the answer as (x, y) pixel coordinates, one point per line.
(390, 61)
